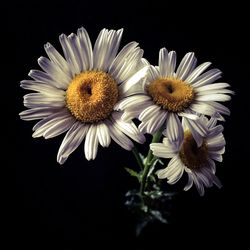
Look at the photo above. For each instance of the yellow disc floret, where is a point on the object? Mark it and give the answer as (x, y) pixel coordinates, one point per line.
(191, 155)
(171, 94)
(91, 96)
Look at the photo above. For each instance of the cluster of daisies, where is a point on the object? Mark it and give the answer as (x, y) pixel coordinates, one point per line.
(94, 93)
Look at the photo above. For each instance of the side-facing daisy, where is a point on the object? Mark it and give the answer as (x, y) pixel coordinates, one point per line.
(77, 94)
(166, 93)
(197, 162)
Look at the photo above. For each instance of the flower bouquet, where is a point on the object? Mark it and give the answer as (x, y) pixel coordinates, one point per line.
(99, 93)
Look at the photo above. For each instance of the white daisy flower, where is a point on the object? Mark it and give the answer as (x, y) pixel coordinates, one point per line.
(77, 94)
(197, 162)
(167, 93)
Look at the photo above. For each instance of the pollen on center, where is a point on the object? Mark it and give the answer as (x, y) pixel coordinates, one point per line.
(91, 96)
(190, 154)
(171, 94)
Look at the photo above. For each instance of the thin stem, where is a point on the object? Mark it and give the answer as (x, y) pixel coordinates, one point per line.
(150, 156)
(138, 158)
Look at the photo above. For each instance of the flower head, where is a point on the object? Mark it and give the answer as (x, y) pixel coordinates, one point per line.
(167, 93)
(196, 161)
(77, 93)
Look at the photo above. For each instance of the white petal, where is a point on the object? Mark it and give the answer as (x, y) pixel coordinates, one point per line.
(217, 182)
(215, 156)
(149, 112)
(155, 124)
(153, 74)
(161, 150)
(71, 141)
(202, 108)
(36, 100)
(135, 89)
(68, 50)
(175, 170)
(76, 49)
(56, 58)
(127, 116)
(105, 48)
(171, 63)
(219, 150)
(198, 185)
(186, 65)
(216, 141)
(197, 71)
(100, 49)
(130, 66)
(151, 124)
(163, 62)
(143, 127)
(54, 72)
(212, 122)
(103, 134)
(85, 47)
(189, 182)
(215, 131)
(51, 121)
(204, 176)
(60, 127)
(41, 87)
(174, 130)
(207, 78)
(58, 114)
(119, 137)
(128, 128)
(36, 113)
(212, 166)
(214, 86)
(114, 39)
(213, 97)
(176, 177)
(173, 167)
(198, 130)
(43, 77)
(134, 79)
(188, 115)
(122, 58)
(220, 108)
(91, 143)
(172, 145)
(131, 101)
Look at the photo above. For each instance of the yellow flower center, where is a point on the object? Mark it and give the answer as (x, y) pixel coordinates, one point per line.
(171, 94)
(192, 156)
(91, 96)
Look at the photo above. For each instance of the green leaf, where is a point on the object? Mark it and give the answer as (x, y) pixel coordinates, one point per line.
(132, 172)
(142, 157)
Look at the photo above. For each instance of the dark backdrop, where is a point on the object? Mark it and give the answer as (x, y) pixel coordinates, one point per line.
(83, 200)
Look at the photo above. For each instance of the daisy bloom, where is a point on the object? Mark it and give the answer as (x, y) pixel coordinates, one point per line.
(167, 92)
(186, 156)
(77, 93)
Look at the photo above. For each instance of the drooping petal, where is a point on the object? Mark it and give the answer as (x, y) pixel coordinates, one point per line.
(91, 143)
(103, 134)
(71, 141)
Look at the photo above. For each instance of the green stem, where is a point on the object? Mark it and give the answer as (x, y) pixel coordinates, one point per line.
(148, 163)
(137, 157)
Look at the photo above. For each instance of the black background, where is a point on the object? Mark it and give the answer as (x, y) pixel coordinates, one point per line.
(83, 200)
